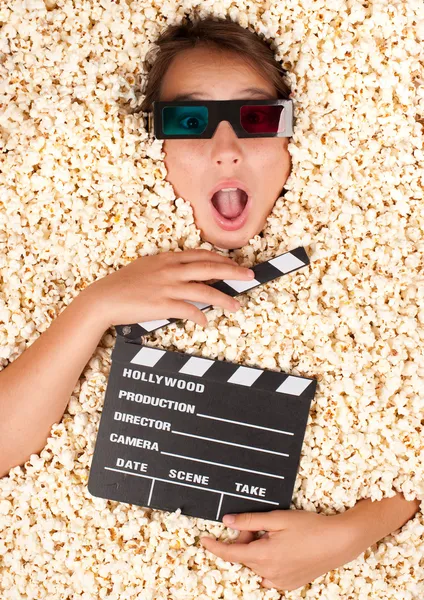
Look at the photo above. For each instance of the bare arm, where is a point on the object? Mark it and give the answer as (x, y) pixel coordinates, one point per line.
(371, 521)
(35, 389)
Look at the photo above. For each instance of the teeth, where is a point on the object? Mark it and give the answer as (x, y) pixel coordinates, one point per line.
(229, 189)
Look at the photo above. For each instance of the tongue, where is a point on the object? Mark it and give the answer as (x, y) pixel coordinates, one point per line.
(229, 204)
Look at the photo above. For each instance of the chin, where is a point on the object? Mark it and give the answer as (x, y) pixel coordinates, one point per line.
(228, 246)
(227, 242)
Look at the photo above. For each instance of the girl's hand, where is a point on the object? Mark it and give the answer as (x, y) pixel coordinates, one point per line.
(298, 546)
(163, 286)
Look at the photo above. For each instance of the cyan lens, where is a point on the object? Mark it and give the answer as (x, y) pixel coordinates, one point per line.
(184, 120)
(262, 118)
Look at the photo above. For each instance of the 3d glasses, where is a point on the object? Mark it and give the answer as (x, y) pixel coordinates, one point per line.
(198, 119)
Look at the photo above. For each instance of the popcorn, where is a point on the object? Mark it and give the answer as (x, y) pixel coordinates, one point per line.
(84, 193)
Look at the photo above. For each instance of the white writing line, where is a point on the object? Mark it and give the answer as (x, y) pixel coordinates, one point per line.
(191, 486)
(245, 424)
(209, 462)
(200, 437)
(151, 492)
(219, 507)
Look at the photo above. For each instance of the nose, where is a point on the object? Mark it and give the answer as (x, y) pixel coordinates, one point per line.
(226, 144)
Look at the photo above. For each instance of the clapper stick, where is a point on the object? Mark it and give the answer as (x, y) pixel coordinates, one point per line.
(207, 436)
(264, 272)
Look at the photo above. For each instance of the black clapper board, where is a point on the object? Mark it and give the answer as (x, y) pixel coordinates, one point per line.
(207, 436)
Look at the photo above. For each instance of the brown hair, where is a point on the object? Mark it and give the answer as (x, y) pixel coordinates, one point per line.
(221, 34)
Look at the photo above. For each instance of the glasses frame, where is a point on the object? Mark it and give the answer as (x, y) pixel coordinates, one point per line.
(220, 110)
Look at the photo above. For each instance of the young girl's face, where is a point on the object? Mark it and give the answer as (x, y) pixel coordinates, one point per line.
(196, 167)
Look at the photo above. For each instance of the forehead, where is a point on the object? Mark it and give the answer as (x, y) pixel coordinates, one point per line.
(213, 73)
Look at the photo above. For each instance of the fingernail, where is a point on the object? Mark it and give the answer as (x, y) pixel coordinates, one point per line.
(251, 273)
(228, 519)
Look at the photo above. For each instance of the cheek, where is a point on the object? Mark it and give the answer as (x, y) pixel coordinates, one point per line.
(180, 156)
(280, 162)
(184, 169)
(271, 153)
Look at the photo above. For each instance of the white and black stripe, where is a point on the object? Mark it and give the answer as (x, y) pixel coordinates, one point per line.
(264, 272)
(180, 363)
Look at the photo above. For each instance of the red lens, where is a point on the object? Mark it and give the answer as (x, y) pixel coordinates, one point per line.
(262, 118)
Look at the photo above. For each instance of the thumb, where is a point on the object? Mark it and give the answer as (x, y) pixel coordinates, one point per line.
(273, 520)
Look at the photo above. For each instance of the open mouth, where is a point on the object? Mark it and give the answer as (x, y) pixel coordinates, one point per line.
(229, 202)
(230, 207)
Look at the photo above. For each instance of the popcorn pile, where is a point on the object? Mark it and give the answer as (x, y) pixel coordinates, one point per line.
(84, 193)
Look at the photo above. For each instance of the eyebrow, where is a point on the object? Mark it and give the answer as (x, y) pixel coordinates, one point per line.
(253, 91)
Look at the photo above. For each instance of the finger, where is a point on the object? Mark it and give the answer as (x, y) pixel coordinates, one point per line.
(245, 537)
(201, 254)
(274, 520)
(234, 552)
(178, 309)
(267, 583)
(203, 294)
(205, 270)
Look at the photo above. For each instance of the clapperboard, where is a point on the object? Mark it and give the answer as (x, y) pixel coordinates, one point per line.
(207, 436)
